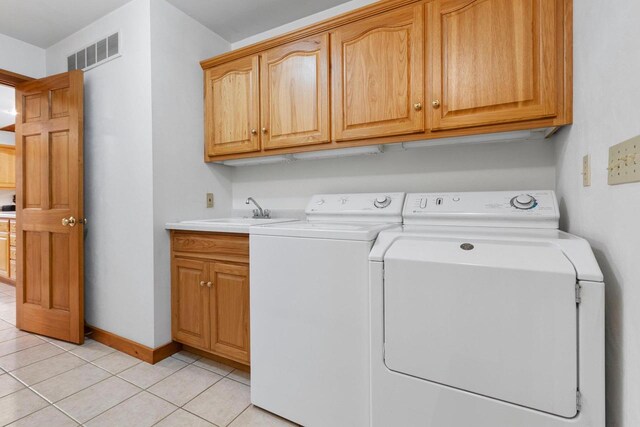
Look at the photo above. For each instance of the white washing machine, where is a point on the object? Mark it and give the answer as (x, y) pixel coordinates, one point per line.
(484, 314)
(310, 309)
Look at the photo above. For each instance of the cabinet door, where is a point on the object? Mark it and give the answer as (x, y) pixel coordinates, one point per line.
(378, 75)
(232, 107)
(494, 61)
(7, 166)
(4, 254)
(189, 302)
(229, 302)
(294, 82)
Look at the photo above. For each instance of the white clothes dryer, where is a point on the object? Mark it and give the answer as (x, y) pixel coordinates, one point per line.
(484, 314)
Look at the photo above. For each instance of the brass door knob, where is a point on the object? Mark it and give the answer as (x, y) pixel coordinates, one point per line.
(254, 132)
(435, 103)
(202, 283)
(69, 222)
(264, 130)
(417, 106)
(209, 284)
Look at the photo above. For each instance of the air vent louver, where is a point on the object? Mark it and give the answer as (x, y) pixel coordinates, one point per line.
(95, 54)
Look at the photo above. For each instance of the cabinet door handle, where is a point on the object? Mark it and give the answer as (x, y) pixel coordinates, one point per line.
(264, 130)
(254, 132)
(209, 284)
(436, 103)
(202, 283)
(417, 106)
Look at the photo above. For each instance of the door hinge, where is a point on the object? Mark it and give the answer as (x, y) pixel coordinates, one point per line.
(578, 293)
(578, 400)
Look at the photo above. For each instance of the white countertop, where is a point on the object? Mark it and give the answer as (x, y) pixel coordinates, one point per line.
(8, 214)
(223, 225)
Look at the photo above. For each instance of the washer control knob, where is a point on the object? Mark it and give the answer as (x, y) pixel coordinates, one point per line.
(320, 202)
(524, 201)
(382, 202)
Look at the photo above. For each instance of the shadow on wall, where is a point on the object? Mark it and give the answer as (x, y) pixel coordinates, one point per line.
(480, 167)
(614, 338)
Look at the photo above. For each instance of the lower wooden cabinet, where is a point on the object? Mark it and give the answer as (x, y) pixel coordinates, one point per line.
(4, 254)
(210, 293)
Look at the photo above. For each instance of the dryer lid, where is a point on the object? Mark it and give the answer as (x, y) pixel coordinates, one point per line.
(493, 318)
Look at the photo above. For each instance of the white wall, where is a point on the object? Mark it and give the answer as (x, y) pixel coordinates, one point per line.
(181, 179)
(607, 111)
(20, 57)
(291, 26)
(505, 166)
(496, 166)
(118, 174)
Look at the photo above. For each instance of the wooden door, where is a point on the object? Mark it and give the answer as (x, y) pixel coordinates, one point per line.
(7, 166)
(49, 191)
(378, 75)
(229, 302)
(232, 107)
(189, 302)
(494, 61)
(295, 93)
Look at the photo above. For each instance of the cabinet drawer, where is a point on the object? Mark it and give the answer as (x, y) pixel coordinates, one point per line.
(12, 252)
(12, 240)
(12, 269)
(211, 244)
(4, 225)
(12, 226)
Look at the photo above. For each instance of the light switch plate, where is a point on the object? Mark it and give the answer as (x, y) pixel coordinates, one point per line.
(624, 162)
(586, 170)
(209, 200)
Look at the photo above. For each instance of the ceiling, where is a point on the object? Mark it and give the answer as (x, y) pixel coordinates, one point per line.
(7, 104)
(45, 22)
(235, 20)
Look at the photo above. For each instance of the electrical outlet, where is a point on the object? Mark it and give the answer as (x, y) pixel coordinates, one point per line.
(586, 170)
(624, 162)
(209, 200)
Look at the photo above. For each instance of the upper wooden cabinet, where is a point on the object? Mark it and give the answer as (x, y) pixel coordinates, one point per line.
(232, 107)
(295, 93)
(7, 166)
(378, 75)
(394, 71)
(494, 61)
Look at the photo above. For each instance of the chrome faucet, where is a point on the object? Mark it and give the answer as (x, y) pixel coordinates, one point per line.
(258, 213)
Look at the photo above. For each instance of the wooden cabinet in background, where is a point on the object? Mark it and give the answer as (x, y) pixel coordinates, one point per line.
(4, 251)
(378, 75)
(7, 166)
(232, 108)
(494, 61)
(210, 293)
(294, 86)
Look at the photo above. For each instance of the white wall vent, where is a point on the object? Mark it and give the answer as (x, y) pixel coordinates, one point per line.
(95, 54)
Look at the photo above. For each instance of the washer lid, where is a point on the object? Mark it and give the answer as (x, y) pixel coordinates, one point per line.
(493, 318)
(324, 230)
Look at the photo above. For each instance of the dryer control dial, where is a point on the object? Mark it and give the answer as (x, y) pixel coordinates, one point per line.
(382, 202)
(524, 201)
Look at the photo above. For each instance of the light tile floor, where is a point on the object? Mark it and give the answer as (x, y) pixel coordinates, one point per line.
(45, 382)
